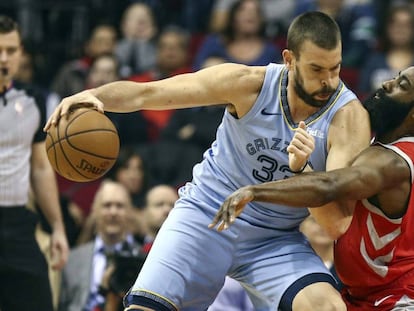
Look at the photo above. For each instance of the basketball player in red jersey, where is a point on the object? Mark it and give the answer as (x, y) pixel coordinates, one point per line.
(372, 204)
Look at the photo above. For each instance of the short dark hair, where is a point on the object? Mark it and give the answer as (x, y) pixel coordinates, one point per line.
(317, 27)
(7, 25)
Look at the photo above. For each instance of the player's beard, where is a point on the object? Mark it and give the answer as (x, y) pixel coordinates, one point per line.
(385, 113)
(309, 98)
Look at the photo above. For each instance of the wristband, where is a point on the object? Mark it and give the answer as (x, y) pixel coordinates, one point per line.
(301, 170)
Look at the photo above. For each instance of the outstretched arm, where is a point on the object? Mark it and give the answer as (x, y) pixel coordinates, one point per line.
(374, 171)
(236, 84)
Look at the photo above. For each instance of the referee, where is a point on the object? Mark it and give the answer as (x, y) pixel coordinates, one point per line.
(23, 166)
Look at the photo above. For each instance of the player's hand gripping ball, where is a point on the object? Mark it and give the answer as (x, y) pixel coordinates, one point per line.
(84, 146)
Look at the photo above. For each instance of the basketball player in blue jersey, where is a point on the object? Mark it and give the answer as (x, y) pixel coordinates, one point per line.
(263, 249)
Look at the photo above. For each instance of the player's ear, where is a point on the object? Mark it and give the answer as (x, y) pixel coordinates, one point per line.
(287, 58)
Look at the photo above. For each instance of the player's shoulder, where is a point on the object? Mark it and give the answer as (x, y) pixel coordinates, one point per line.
(353, 108)
(231, 76)
(238, 69)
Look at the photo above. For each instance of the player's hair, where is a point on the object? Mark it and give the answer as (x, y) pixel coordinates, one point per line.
(8, 25)
(317, 27)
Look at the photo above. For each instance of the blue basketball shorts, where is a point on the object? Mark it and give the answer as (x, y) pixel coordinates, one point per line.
(188, 262)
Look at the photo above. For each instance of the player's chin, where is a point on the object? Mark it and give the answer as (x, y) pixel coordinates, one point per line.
(318, 102)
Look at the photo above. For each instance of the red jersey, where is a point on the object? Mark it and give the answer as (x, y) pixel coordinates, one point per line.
(375, 257)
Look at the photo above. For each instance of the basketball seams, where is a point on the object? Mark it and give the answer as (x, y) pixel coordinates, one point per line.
(82, 113)
(54, 152)
(64, 153)
(86, 152)
(87, 131)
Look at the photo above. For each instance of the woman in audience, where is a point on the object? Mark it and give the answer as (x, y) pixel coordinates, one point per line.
(243, 39)
(395, 52)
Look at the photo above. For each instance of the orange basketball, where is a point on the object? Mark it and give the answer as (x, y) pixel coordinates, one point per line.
(84, 146)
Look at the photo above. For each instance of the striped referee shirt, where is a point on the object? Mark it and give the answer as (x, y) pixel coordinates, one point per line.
(22, 114)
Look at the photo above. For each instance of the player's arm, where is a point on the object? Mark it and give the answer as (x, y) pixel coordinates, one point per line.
(236, 84)
(349, 134)
(376, 170)
(44, 185)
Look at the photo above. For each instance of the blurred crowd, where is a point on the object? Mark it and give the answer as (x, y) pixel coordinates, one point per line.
(72, 45)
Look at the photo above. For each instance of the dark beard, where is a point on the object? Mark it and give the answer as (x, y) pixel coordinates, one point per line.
(385, 113)
(309, 98)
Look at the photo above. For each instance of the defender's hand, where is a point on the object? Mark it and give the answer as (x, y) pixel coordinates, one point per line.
(231, 208)
(300, 148)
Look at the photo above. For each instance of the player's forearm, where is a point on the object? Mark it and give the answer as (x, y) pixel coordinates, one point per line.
(120, 96)
(319, 188)
(305, 190)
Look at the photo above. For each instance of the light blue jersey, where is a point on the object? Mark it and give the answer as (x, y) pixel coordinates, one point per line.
(263, 249)
(252, 150)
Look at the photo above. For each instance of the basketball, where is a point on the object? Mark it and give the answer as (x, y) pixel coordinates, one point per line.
(83, 146)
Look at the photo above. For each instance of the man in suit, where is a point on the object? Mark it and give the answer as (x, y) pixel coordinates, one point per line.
(82, 276)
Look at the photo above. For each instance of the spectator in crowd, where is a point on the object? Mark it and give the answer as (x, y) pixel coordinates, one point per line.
(243, 40)
(104, 69)
(26, 74)
(24, 166)
(171, 59)
(85, 269)
(195, 126)
(395, 51)
(130, 170)
(277, 15)
(189, 14)
(357, 22)
(159, 201)
(72, 76)
(135, 49)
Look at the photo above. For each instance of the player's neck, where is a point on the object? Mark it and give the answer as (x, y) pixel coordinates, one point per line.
(394, 135)
(299, 110)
